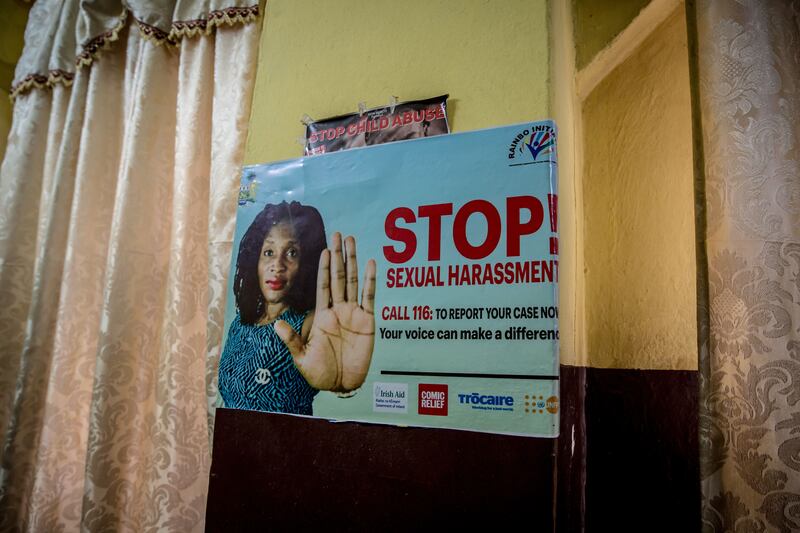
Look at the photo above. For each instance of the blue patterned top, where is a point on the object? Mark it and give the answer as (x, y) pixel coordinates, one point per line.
(257, 372)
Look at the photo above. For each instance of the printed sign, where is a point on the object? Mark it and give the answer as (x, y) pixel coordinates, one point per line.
(411, 283)
(407, 120)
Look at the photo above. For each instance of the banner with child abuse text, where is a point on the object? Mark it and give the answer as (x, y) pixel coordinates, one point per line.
(403, 121)
(412, 283)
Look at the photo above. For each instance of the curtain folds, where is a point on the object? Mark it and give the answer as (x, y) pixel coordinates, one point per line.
(749, 89)
(64, 36)
(117, 205)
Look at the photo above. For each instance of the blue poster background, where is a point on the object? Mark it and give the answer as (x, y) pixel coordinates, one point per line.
(354, 191)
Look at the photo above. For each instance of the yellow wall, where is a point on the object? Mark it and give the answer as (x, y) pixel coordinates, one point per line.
(564, 103)
(321, 58)
(597, 22)
(496, 59)
(6, 112)
(15, 15)
(492, 57)
(639, 215)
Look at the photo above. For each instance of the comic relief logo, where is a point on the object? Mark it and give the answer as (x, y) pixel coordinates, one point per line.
(432, 399)
(532, 145)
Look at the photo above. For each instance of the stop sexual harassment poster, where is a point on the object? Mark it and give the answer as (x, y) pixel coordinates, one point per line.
(411, 283)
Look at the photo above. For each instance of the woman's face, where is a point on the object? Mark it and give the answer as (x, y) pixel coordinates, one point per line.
(278, 263)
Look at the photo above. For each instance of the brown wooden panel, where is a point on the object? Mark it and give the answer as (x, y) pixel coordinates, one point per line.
(627, 461)
(571, 453)
(642, 462)
(280, 471)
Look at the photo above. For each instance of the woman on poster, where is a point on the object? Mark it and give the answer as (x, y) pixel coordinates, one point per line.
(299, 327)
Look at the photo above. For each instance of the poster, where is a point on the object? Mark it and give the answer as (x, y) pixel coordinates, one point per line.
(451, 320)
(406, 120)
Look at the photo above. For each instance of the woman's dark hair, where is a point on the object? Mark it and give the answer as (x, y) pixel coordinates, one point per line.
(310, 232)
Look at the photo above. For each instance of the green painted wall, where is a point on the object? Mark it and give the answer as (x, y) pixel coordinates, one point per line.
(597, 22)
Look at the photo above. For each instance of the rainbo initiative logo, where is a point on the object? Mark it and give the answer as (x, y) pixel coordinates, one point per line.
(532, 145)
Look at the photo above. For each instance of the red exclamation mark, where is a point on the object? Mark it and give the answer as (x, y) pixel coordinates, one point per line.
(552, 200)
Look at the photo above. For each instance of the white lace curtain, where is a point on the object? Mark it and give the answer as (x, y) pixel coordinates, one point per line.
(117, 203)
(749, 88)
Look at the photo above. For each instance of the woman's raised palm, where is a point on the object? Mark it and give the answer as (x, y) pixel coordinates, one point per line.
(337, 352)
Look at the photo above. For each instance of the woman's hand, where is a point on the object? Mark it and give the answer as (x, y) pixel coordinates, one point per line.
(338, 350)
